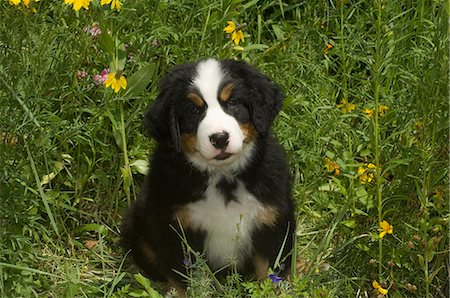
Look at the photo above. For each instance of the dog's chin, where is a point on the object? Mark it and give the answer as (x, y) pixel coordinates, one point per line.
(223, 162)
(223, 156)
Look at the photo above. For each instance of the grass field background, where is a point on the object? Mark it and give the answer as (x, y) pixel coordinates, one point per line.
(364, 124)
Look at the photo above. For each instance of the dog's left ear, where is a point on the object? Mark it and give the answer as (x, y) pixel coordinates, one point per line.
(161, 123)
(267, 102)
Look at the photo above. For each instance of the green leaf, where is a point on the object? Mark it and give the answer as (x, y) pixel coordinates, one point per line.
(249, 4)
(127, 179)
(140, 80)
(138, 293)
(351, 223)
(106, 42)
(95, 228)
(256, 47)
(421, 262)
(121, 57)
(140, 166)
(142, 280)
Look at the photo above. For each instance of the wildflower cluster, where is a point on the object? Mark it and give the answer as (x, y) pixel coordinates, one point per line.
(236, 33)
(78, 4)
(332, 166)
(382, 110)
(346, 106)
(26, 4)
(100, 78)
(366, 173)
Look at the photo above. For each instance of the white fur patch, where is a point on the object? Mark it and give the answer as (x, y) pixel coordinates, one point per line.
(228, 226)
(208, 80)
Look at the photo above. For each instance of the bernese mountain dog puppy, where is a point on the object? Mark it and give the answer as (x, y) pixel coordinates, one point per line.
(217, 175)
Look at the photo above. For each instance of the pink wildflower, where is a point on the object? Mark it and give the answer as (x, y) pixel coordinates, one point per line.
(81, 74)
(100, 78)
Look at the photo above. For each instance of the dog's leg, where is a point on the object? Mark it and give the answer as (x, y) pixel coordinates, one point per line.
(261, 265)
(178, 286)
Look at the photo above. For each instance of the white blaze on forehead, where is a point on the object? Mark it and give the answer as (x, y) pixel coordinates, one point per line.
(209, 76)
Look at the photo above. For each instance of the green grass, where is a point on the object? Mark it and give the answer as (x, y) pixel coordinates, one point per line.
(59, 233)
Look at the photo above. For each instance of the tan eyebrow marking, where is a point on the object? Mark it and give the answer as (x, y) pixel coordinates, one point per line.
(225, 93)
(196, 99)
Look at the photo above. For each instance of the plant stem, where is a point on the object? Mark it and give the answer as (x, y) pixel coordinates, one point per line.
(377, 72)
(125, 152)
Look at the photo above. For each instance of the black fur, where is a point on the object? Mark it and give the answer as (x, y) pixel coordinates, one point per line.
(174, 182)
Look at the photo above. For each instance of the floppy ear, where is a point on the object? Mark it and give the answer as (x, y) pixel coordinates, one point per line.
(266, 103)
(160, 122)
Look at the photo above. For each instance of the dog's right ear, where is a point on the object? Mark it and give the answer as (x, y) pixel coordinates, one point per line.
(160, 122)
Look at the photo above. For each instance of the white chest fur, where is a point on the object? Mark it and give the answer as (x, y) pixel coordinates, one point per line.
(228, 225)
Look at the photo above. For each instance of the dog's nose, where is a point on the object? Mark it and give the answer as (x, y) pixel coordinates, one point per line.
(219, 140)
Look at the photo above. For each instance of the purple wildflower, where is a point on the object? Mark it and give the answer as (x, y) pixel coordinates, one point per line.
(187, 262)
(275, 278)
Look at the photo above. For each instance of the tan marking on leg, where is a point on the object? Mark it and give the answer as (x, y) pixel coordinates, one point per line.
(148, 252)
(225, 93)
(268, 216)
(181, 290)
(181, 216)
(261, 265)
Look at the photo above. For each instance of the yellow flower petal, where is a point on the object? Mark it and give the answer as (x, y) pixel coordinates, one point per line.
(369, 112)
(240, 35)
(14, 2)
(123, 82)
(230, 28)
(379, 288)
(118, 5)
(103, 2)
(382, 110)
(235, 38)
(382, 234)
(109, 79)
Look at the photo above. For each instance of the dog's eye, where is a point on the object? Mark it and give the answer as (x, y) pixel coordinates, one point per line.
(194, 110)
(232, 102)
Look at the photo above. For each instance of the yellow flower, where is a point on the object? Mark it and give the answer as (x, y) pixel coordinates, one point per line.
(382, 110)
(77, 4)
(332, 166)
(368, 112)
(371, 166)
(114, 3)
(116, 80)
(385, 228)
(237, 34)
(366, 173)
(379, 288)
(327, 48)
(346, 106)
(25, 2)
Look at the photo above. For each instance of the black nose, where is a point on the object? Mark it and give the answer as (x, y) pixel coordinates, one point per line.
(219, 140)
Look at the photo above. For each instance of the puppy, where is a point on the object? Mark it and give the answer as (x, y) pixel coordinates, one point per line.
(217, 175)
